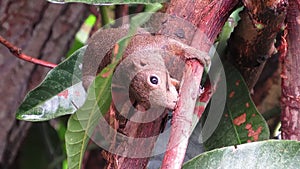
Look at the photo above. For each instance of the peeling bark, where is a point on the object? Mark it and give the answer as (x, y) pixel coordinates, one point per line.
(290, 100)
(42, 30)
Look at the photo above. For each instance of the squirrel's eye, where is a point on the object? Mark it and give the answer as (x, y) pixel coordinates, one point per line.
(154, 80)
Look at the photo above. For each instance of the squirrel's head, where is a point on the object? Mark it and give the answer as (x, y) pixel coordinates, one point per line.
(153, 87)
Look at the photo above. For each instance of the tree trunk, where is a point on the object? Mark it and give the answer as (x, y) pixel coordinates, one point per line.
(290, 101)
(41, 30)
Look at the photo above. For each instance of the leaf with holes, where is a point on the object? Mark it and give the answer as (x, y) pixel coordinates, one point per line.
(59, 94)
(271, 154)
(241, 122)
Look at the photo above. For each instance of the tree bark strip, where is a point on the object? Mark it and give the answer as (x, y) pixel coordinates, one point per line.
(290, 100)
(42, 30)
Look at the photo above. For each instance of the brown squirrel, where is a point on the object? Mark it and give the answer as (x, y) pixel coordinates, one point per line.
(150, 68)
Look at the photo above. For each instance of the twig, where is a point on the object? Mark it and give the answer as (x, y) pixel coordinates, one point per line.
(183, 116)
(18, 53)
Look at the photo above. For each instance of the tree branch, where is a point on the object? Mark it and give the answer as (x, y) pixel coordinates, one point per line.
(252, 41)
(17, 52)
(290, 100)
(183, 116)
(203, 15)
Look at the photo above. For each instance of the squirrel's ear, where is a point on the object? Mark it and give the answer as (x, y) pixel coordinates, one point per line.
(138, 64)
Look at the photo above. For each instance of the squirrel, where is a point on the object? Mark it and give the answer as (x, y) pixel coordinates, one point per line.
(151, 65)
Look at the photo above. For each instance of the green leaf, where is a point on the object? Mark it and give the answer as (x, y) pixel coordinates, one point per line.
(59, 94)
(241, 122)
(82, 123)
(227, 30)
(110, 2)
(269, 154)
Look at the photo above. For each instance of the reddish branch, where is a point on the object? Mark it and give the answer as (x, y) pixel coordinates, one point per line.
(17, 52)
(209, 17)
(183, 116)
(290, 101)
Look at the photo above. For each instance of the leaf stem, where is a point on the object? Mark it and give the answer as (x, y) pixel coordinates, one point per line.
(104, 15)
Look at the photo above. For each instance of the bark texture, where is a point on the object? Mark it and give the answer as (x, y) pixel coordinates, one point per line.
(41, 30)
(290, 101)
(252, 41)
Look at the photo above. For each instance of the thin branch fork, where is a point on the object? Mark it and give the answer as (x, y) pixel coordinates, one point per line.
(18, 53)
